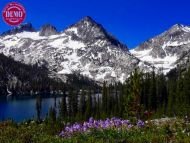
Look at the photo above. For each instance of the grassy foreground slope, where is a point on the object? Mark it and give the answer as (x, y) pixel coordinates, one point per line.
(166, 131)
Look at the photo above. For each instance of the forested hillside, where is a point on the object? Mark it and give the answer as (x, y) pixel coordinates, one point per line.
(18, 78)
(143, 95)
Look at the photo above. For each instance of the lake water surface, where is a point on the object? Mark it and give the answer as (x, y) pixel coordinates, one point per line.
(23, 108)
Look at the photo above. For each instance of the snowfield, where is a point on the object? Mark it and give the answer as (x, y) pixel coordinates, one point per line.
(167, 63)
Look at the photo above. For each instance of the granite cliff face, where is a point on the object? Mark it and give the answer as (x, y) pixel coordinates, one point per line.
(48, 30)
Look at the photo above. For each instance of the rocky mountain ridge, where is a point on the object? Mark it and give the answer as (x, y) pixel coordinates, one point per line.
(167, 49)
(84, 47)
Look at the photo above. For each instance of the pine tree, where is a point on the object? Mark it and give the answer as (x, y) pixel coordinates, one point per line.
(153, 92)
(109, 101)
(88, 105)
(128, 99)
(132, 95)
(63, 109)
(38, 107)
(75, 104)
(171, 109)
(52, 115)
(98, 106)
(186, 92)
(104, 106)
(162, 93)
(116, 103)
(122, 99)
(82, 105)
(70, 107)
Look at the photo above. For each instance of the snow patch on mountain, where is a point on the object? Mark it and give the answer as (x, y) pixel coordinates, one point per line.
(31, 35)
(167, 63)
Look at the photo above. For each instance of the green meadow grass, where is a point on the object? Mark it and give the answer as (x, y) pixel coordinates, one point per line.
(169, 132)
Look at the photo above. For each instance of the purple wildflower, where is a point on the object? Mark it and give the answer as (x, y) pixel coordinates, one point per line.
(91, 120)
(114, 123)
(140, 123)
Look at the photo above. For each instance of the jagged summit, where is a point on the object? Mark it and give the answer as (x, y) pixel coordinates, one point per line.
(88, 19)
(48, 30)
(176, 30)
(18, 29)
(165, 49)
(88, 30)
(177, 26)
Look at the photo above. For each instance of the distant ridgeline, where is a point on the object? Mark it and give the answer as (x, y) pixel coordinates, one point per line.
(19, 78)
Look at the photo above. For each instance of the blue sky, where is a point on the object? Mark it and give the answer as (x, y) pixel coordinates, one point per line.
(131, 21)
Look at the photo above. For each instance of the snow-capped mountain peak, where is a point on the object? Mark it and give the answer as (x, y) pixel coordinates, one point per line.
(89, 30)
(165, 49)
(179, 27)
(85, 47)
